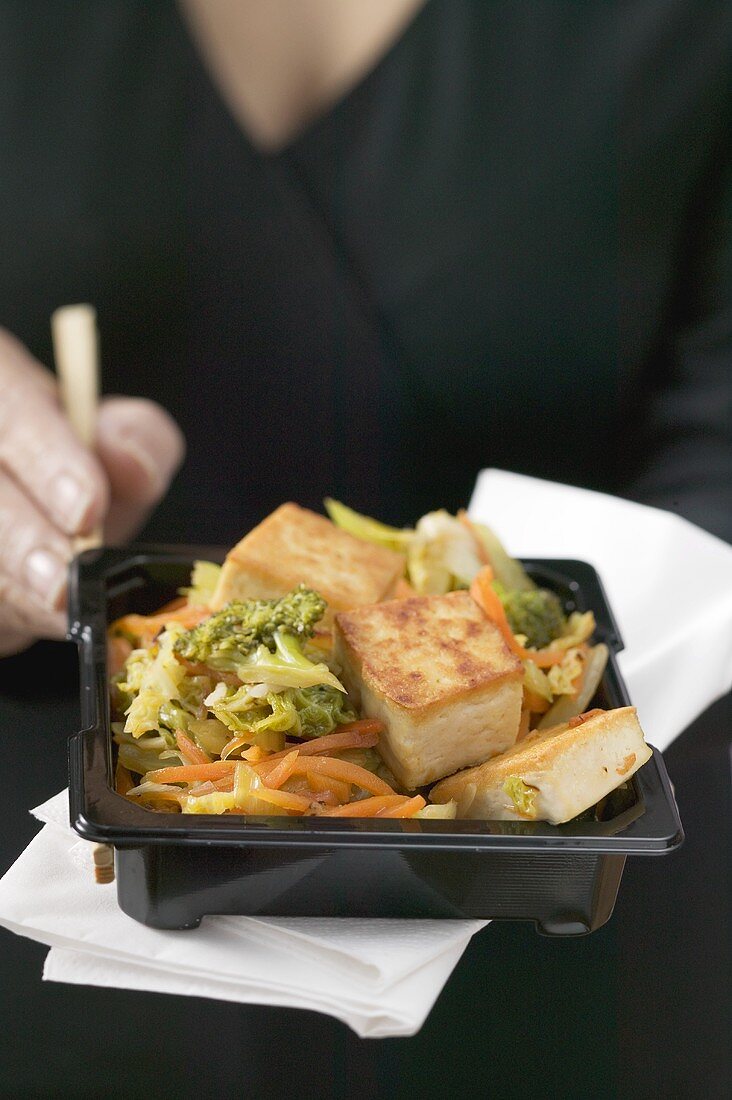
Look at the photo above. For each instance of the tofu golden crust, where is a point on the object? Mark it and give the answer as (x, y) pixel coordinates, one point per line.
(565, 769)
(424, 651)
(439, 675)
(296, 546)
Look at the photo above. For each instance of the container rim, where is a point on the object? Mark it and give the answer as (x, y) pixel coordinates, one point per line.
(650, 826)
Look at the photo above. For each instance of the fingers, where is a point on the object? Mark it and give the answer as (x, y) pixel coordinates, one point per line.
(140, 448)
(39, 448)
(33, 563)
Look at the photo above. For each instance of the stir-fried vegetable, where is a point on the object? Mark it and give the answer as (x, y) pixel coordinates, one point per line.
(204, 579)
(226, 638)
(537, 614)
(241, 711)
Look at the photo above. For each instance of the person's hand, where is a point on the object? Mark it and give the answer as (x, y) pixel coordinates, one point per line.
(52, 488)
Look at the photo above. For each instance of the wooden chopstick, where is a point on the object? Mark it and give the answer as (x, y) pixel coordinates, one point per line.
(76, 352)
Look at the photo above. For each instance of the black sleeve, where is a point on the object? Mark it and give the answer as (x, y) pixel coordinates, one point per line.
(688, 463)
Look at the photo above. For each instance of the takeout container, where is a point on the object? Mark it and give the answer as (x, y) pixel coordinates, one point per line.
(173, 869)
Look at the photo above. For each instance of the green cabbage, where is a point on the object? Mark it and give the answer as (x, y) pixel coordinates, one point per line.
(370, 530)
(155, 679)
(442, 555)
(302, 712)
(522, 795)
(438, 810)
(204, 580)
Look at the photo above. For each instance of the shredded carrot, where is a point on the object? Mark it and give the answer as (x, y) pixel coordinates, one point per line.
(285, 799)
(343, 770)
(147, 627)
(332, 742)
(188, 773)
(326, 798)
(172, 605)
(190, 750)
(523, 724)
(367, 807)
(122, 779)
(486, 597)
(534, 702)
(323, 784)
(233, 745)
(407, 808)
(252, 755)
(118, 650)
(362, 725)
(479, 544)
(281, 771)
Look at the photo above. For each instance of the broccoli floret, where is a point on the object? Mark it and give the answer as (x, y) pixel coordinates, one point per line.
(536, 613)
(233, 633)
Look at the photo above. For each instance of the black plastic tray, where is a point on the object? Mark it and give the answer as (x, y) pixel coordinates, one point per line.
(173, 869)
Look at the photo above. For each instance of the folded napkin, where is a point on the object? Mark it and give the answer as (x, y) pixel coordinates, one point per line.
(670, 586)
(668, 582)
(381, 977)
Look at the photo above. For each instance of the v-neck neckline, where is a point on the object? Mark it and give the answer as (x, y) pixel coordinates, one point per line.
(325, 118)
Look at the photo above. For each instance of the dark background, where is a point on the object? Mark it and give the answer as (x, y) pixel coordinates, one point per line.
(639, 1008)
(509, 246)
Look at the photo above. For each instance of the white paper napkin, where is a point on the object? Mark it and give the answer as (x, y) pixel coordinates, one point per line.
(381, 977)
(669, 584)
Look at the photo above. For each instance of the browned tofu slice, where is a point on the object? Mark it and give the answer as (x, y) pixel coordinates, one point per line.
(296, 546)
(552, 775)
(440, 676)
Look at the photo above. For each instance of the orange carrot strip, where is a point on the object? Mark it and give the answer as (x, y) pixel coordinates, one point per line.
(233, 745)
(361, 725)
(118, 650)
(326, 798)
(537, 704)
(477, 540)
(172, 605)
(366, 807)
(193, 772)
(150, 625)
(286, 799)
(486, 597)
(281, 771)
(225, 784)
(122, 779)
(344, 770)
(408, 808)
(254, 755)
(524, 723)
(323, 784)
(332, 742)
(190, 750)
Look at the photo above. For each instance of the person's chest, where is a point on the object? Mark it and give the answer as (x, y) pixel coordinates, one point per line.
(477, 225)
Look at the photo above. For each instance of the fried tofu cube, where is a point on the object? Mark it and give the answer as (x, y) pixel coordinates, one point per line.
(552, 775)
(440, 676)
(296, 546)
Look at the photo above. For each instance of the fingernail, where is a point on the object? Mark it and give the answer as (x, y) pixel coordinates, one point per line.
(72, 502)
(46, 573)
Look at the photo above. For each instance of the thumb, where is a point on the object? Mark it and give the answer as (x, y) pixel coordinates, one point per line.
(141, 447)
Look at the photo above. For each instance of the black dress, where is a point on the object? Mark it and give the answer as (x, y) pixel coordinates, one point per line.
(509, 245)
